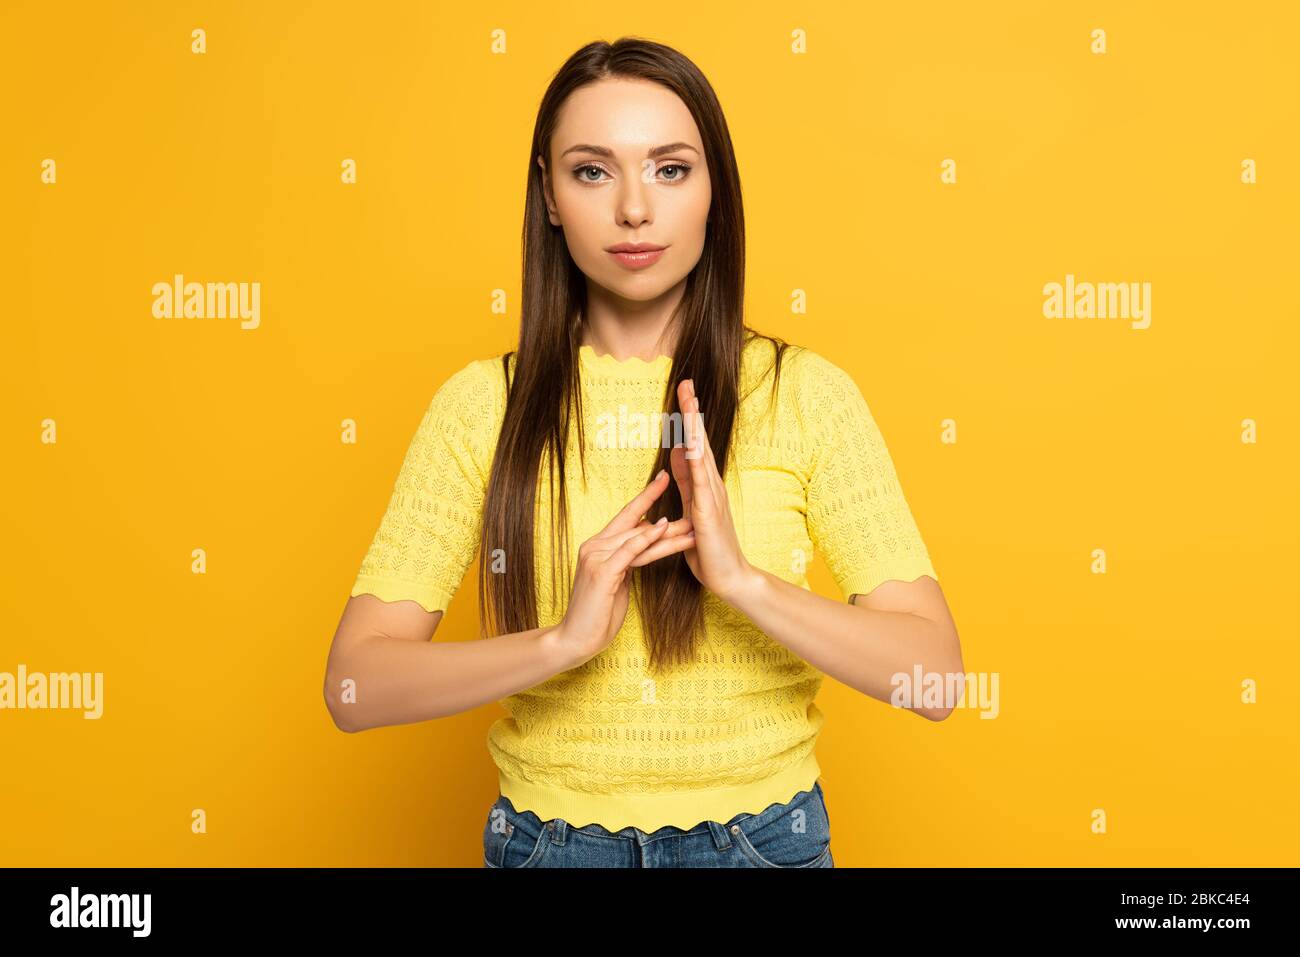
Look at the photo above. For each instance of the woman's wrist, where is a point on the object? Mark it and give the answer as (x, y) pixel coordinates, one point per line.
(557, 649)
(748, 583)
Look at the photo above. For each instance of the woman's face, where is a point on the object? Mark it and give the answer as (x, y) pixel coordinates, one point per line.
(627, 166)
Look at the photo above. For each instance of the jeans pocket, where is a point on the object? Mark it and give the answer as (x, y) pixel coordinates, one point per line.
(513, 838)
(797, 834)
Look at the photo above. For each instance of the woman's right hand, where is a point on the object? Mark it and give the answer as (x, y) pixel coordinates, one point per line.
(598, 603)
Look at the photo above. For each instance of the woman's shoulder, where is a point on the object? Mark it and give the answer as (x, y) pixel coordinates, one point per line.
(808, 378)
(474, 393)
(814, 399)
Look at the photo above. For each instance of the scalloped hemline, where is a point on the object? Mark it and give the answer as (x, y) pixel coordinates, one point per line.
(635, 365)
(908, 570)
(430, 599)
(683, 809)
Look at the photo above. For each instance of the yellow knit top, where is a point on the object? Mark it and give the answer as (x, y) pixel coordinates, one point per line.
(734, 731)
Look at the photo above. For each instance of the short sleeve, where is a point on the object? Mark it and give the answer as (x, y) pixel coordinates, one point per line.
(858, 518)
(429, 532)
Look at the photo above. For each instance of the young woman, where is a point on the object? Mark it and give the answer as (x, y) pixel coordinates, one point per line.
(658, 679)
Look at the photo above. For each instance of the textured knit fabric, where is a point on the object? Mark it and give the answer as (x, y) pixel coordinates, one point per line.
(734, 731)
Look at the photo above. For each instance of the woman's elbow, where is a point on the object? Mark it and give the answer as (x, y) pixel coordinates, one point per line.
(934, 714)
(953, 683)
(340, 701)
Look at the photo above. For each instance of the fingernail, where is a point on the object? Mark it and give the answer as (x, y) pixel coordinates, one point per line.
(662, 473)
(662, 520)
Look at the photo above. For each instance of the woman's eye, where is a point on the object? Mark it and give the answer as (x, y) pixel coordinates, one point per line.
(581, 170)
(581, 173)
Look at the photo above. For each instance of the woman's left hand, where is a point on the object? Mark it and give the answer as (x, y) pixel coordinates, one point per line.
(716, 558)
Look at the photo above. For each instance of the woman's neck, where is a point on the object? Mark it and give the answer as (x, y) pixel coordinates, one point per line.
(644, 334)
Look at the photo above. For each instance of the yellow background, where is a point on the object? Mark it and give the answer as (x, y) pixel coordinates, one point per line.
(1118, 691)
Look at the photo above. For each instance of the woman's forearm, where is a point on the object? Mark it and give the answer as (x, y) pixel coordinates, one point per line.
(382, 681)
(862, 647)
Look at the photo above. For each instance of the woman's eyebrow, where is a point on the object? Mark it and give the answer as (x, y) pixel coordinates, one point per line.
(650, 154)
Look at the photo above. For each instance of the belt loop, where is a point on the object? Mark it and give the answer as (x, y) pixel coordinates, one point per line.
(559, 829)
(721, 838)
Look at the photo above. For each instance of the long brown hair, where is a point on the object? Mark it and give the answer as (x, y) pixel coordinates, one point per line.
(544, 393)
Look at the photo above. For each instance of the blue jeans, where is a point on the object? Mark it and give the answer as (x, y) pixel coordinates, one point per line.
(795, 834)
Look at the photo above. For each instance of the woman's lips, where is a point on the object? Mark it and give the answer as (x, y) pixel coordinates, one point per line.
(638, 260)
